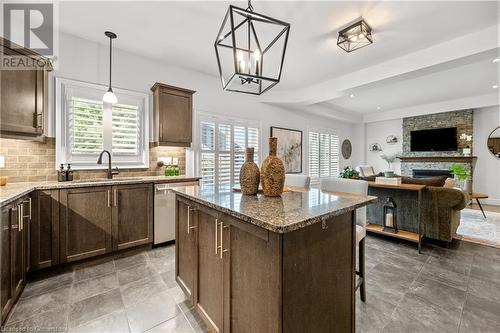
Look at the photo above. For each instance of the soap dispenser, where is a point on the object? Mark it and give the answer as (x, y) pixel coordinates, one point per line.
(69, 173)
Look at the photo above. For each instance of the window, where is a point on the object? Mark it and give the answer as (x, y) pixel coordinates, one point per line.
(323, 155)
(85, 127)
(222, 149)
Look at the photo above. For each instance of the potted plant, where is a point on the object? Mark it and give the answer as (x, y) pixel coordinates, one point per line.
(459, 172)
(468, 139)
(349, 173)
(389, 159)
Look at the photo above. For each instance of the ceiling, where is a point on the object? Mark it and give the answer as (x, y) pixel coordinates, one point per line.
(183, 33)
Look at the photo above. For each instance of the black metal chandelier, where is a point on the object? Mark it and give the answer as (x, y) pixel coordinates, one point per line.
(355, 36)
(250, 50)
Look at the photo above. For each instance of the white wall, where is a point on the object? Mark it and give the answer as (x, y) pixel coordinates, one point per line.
(85, 60)
(487, 169)
(377, 132)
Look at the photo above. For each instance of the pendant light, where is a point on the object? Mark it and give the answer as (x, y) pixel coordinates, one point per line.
(110, 97)
(250, 50)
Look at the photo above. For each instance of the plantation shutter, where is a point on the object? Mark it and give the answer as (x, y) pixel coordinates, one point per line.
(126, 130)
(85, 126)
(323, 155)
(222, 150)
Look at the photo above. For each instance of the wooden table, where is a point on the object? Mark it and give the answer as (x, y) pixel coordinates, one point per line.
(477, 196)
(407, 235)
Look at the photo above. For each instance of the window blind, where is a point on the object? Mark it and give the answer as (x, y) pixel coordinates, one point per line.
(222, 150)
(323, 155)
(86, 126)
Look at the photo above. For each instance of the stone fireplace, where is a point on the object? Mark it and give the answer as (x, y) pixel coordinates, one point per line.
(437, 162)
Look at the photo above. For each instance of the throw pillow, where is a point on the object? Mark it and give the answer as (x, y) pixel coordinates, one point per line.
(450, 182)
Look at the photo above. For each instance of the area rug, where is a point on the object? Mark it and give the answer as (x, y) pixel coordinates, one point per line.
(477, 229)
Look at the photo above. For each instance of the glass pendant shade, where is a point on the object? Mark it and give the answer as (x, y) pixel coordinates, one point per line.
(355, 36)
(250, 50)
(110, 97)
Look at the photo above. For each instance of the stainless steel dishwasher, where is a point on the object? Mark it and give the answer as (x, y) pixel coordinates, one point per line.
(164, 223)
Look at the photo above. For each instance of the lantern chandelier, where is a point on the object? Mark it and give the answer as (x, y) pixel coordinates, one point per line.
(250, 50)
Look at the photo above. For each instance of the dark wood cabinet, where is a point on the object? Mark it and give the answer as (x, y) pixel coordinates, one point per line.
(210, 269)
(132, 215)
(44, 229)
(173, 115)
(85, 222)
(6, 299)
(24, 97)
(14, 252)
(186, 243)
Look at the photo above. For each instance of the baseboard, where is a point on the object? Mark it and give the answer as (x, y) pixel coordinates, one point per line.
(490, 201)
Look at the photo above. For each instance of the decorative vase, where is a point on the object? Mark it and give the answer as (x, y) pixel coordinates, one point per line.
(467, 186)
(272, 172)
(249, 174)
(388, 174)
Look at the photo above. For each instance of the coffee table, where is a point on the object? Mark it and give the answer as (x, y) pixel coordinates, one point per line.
(477, 196)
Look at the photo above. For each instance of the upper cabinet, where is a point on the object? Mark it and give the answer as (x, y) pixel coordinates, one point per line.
(23, 98)
(173, 115)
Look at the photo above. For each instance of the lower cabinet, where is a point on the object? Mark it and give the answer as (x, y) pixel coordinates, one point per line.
(99, 220)
(132, 215)
(186, 244)
(229, 269)
(44, 229)
(14, 252)
(210, 268)
(85, 222)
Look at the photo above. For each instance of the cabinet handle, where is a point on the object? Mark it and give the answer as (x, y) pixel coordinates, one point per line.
(216, 241)
(189, 227)
(161, 131)
(109, 201)
(115, 197)
(15, 226)
(222, 250)
(20, 217)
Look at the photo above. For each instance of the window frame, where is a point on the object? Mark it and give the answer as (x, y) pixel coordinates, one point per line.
(316, 180)
(89, 161)
(222, 119)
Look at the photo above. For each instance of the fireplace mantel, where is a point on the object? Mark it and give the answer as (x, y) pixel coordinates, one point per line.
(456, 159)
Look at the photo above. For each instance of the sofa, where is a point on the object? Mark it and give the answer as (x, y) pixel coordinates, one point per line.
(440, 209)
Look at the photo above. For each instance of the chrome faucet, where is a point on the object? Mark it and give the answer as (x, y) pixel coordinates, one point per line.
(110, 171)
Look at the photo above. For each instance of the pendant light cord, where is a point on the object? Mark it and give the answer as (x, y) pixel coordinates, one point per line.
(110, 50)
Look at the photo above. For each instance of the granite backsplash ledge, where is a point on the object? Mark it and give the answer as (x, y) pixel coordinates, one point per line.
(33, 161)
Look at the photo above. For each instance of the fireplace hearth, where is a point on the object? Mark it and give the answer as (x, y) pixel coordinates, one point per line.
(422, 173)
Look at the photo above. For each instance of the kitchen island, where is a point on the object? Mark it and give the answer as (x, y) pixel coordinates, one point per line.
(260, 264)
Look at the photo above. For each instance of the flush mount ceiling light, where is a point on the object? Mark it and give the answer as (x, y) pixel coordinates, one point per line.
(110, 97)
(250, 50)
(355, 36)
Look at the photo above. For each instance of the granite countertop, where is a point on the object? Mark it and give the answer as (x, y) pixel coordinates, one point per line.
(13, 191)
(292, 211)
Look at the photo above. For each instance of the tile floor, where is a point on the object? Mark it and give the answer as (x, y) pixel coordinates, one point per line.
(442, 290)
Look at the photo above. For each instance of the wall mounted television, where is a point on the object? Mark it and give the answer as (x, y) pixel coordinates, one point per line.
(437, 139)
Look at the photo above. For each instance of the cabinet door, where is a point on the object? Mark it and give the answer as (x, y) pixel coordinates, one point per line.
(23, 100)
(5, 271)
(132, 215)
(44, 229)
(175, 119)
(210, 270)
(186, 260)
(17, 249)
(85, 222)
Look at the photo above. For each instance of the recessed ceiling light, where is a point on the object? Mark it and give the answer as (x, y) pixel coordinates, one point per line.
(378, 108)
(496, 60)
(495, 86)
(351, 95)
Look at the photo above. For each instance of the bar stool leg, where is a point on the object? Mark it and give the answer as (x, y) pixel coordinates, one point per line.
(362, 269)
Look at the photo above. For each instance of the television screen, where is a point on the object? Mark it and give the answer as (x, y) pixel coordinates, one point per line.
(439, 139)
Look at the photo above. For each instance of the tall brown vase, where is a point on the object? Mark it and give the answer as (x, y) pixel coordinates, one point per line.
(249, 174)
(272, 172)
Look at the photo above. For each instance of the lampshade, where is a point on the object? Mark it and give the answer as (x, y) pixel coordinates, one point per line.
(109, 97)
(355, 36)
